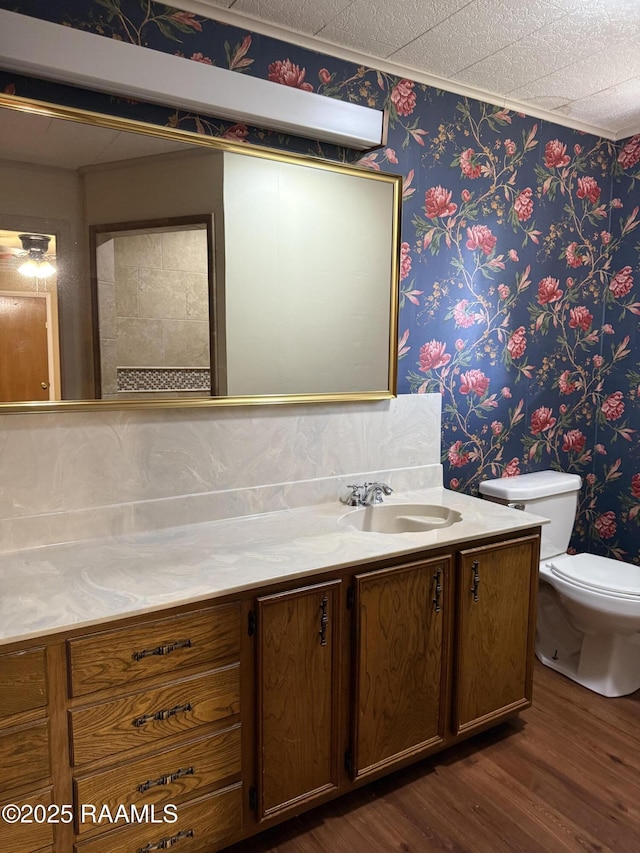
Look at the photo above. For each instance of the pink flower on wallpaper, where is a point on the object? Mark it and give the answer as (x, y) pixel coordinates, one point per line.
(598, 361)
(613, 407)
(433, 355)
(237, 132)
(465, 195)
(506, 393)
(574, 258)
(512, 468)
(590, 478)
(463, 318)
(599, 448)
(474, 382)
(324, 75)
(635, 485)
(573, 441)
(542, 420)
(565, 384)
(405, 261)
(549, 290)
(390, 154)
(589, 189)
(187, 19)
(510, 147)
(289, 74)
(523, 205)
(513, 255)
(480, 237)
(517, 343)
(496, 427)
(615, 202)
(630, 154)
(459, 344)
(580, 318)
(621, 283)
(454, 483)
(555, 154)
(199, 57)
(605, 236)
(437, 202)
(503, 291)
(466, 165)
(456, 457)
(608, 329)
(605, 525)
(403, 97)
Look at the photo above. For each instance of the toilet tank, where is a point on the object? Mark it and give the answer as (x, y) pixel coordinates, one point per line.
(551, 494)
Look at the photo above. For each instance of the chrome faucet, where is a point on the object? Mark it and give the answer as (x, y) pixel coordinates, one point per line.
(366, 494)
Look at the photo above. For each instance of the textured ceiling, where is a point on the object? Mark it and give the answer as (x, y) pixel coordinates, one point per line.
(576, 62)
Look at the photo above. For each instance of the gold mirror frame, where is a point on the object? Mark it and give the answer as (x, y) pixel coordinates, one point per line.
(114, 123)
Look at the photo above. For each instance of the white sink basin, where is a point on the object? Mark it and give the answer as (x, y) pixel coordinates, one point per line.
(400, 518)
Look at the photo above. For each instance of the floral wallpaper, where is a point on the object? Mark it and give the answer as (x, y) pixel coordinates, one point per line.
(520, 266)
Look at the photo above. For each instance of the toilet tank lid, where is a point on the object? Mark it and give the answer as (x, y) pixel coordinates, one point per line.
(523, 487)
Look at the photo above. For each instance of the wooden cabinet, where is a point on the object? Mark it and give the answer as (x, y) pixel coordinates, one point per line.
(25, 749)
(298, 681)
(155, 721)
(243, 713)
(402, 617)
(495, 631)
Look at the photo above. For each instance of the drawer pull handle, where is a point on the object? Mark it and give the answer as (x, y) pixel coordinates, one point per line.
(165, 714)
(166, 843)
(162, 650)
(166, 780)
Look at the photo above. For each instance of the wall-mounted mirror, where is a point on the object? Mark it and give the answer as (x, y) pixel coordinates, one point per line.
(185, 270)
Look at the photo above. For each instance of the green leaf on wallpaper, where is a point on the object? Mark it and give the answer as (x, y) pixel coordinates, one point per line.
(167, 29)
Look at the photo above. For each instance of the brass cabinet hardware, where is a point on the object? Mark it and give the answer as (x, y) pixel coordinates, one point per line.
(166, 780)
(476, 579)
(166, 843)
(162, 650)
(437, 591)
(165, 714)
(324, 621)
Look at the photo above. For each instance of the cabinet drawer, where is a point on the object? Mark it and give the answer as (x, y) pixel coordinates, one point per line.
(24, 755)
(149, 716)
(27, 837)
(201, 823)
(22, 682)
(113, 658)
(163, 778)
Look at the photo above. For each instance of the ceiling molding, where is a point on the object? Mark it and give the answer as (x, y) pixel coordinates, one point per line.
(238, 19)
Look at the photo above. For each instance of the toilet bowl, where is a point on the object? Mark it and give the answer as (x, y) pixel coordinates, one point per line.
(588, 606)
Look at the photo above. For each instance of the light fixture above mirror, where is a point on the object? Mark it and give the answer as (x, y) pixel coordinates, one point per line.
(35, 262)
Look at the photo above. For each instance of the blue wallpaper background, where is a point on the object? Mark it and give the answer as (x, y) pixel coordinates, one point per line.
(520, 256)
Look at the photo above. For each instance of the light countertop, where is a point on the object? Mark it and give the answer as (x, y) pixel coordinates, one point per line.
(62, 587)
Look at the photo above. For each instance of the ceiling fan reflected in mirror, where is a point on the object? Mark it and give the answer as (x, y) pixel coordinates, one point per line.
(35, 263)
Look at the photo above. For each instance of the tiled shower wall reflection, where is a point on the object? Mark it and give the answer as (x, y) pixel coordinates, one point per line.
(154, 308)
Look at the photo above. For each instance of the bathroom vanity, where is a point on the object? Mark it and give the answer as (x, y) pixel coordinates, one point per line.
(238, 685)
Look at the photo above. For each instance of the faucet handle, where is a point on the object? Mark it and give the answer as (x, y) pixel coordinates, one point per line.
(355, 498)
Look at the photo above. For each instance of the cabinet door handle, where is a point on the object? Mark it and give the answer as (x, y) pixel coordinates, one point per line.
(164, 714)
(166, 843)
(166, 780)
(437, 591)
(324, 620)
(476, 579)
(166, 649)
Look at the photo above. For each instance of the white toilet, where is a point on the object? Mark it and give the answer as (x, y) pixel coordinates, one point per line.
(588, 606)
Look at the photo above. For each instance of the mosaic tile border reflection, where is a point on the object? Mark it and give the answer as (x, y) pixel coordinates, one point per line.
(164, 379)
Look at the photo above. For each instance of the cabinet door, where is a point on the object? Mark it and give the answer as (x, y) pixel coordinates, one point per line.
(496, 593)
(401, 633)
(298, 696)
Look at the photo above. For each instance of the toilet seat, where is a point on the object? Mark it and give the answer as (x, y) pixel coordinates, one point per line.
(598, 574)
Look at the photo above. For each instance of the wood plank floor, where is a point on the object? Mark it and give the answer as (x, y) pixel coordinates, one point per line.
(564, 776)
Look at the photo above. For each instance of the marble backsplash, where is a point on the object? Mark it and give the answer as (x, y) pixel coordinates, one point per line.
(78, 475)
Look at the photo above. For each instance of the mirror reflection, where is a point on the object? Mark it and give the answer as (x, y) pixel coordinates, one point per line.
(166, 266)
